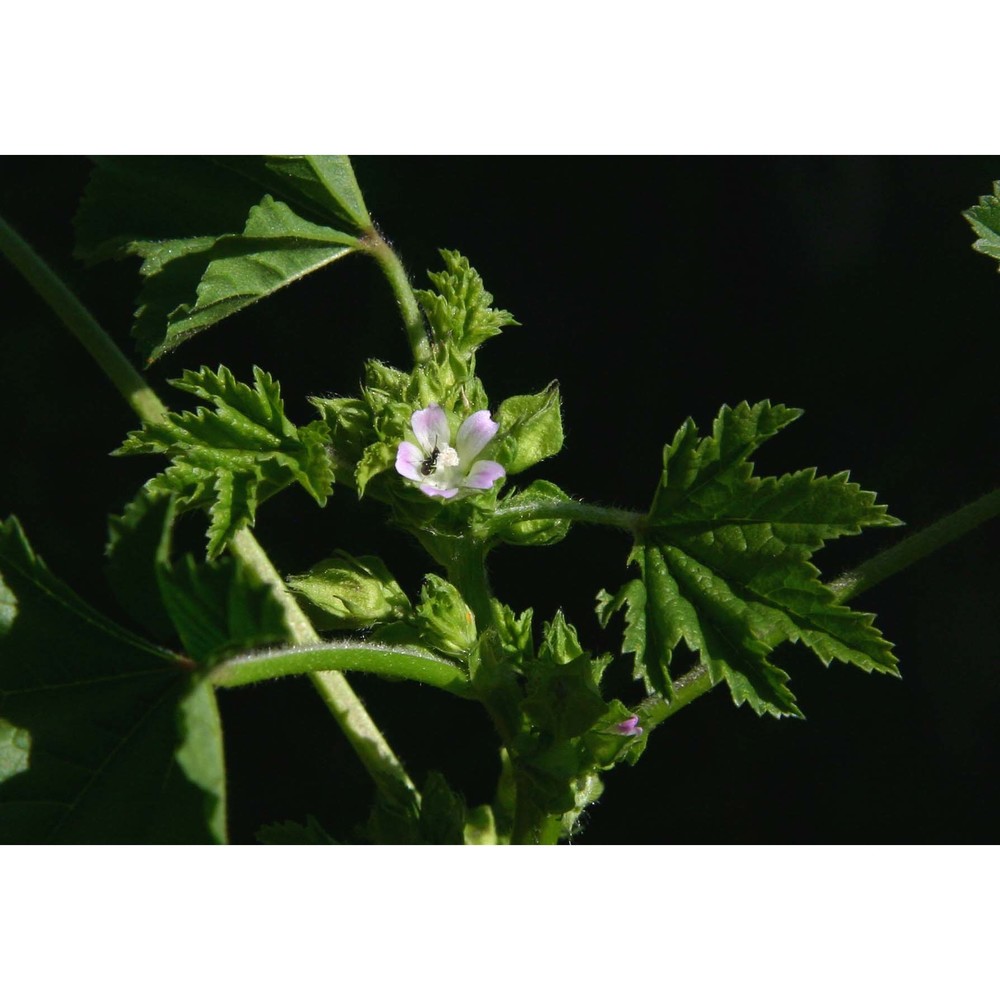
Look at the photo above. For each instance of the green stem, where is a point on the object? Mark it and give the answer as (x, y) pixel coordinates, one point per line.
(344, 704)
(467, 571)
(568, 510)
(689, 686)
(392, 267)
(82, 324)
(398, 663)
(916, 547)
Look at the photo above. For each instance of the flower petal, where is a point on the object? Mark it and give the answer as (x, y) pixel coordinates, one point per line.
(434, 491)
(483, 475)
(474, 435)
(408, 459)
(431, 428)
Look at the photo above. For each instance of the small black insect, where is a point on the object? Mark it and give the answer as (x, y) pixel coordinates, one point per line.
(429, 464)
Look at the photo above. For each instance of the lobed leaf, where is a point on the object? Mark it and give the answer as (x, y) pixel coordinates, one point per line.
(985, 221)
(104, 738)
(231, 458)
(460, 311)
(192, 283)
(725, 565)
(216, 234)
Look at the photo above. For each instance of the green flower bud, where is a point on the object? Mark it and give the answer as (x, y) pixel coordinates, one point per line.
(444, 619)
(353, 593)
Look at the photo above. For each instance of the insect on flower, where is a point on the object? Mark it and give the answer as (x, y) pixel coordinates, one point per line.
(440, 468)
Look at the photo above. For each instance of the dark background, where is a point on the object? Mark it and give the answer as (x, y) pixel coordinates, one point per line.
(653, 289)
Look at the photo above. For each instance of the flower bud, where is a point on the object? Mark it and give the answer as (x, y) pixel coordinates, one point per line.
(444, 619)
(353, 593)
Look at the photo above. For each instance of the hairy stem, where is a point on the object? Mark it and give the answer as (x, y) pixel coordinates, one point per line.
(82, 324)
(569, 510)
(344, 704)
(467, 571)
(687, 687)
(395, 662)
(392, 267)
(916, 547)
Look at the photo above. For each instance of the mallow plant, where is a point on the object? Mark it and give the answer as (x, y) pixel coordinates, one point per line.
(109, 729)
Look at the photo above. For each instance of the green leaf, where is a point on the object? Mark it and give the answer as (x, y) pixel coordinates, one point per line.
(289, 833)
(514, 631)
(352, 593)
(460, 311)
(725, 565)
(231, 458)
(131, 198)
(530, 429)
(192, 283)
(138, 542)
(216, 609)
(985, 221)
(442, 812)
(560, 643)
(216, 233)
(328, 181)
(221, 608)
(104, 738)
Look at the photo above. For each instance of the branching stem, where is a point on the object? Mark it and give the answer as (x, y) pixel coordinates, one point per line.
(345, 706)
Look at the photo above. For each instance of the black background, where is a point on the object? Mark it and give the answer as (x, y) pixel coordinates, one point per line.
(653, 289)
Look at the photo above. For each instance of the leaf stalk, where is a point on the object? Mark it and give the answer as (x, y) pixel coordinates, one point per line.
(376, 246)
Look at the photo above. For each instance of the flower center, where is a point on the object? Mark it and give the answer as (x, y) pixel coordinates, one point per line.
(448, 458)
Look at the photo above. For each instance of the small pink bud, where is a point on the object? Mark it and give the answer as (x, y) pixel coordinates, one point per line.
(630, 726)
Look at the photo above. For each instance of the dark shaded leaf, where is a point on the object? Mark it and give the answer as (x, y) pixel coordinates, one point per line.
(104, 738)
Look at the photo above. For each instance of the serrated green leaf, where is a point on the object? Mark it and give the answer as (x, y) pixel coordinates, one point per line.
(231, 458)
(460, 311)
(985, 221)
(725, 565)
(560, 643)
(192, 283)
(216, 234)
(514, 631)
(108, 738)
(328, 181)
